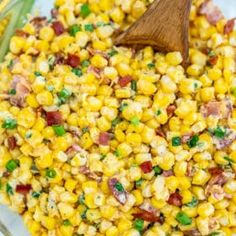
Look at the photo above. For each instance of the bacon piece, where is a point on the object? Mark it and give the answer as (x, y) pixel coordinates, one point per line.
(58, 28)
(54, 13)
(22, 87)
(175, 199)
(146, 167)
(90, 174)
(95, 71)
(170, 110)
(160, 133)
(186, 137)
(167, 173)
(11, 142)
(21, 33)
(211, 11)
(147, 216)
(73, 60)
(6, 174)
(73, 149)
(213, 60)
(229, 26)
(23, 189)
(123, 81)
(104, 138)
(218, 179)
(38, 22)
(193, 232)
(94, 52)
(59, 59)
(120, 196)
(220, 109)
(54, 118)
(215, 170)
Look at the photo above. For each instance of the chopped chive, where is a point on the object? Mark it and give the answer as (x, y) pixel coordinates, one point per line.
(229, 160)
(134, 85)
(214, 234)
(85, 10)
(84, 214)
(50, 88)
(139, 224)
(195, 85)
(176, 141)
(193, 203)
(9, 124)
(123, 106)
(89, 27)
(135, 121)
(85, 63)
(81, 199)
(11, 165)
(138, 183)
(115, 122)
(193, 141)
(28, 134)
(74, 29)
(158, 112)
(63, 95)
(151, 65)
(35, 194)
(9, 189)
(219, 132)
(37, 73)
(67, 223)
(10, 65)
(59, 130)
(117, 153)
(100, 24)
(50, 173)
(77, 72)
(103, 156)
(112, 53)
(157, 170)
(183, 218)
(119, 187)
(12, 92)
(85, 130)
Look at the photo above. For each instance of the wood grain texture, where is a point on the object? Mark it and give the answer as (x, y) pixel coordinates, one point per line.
(164, 26)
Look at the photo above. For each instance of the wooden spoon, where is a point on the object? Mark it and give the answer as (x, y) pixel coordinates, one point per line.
(164, 26)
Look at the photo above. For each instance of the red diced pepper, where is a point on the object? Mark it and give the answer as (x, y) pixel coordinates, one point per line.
(175, 199)
(123, 81)
(54, 118)
(73, 60)
(23, 189)
(58, 28)
(146, 166)
(216, 171)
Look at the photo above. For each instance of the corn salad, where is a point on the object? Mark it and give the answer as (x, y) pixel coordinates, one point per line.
(104, 140)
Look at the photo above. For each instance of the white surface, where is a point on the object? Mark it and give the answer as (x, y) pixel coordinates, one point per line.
(11, 220)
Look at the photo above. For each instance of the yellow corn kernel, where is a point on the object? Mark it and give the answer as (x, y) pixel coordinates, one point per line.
(180, 168)
(124, 149)
(48, 222)
(168, 85)
(214, 73)
(200, 177)
(207, 94)
(124, 224)
(194, 70)
(133, 139)
(123, 92)
(108, 212)
(174, 58)
(99, 61)
(117, 15)
(184, 182)
(17, 44)
(172, 183)
(103, 124)
(66, 210)
(32, 101)
(219, 158)
(112, 231)
(46, 33)
(146, 87)
(110, 73)
(205, 209)
(220, 86)
(26, 118)
(45, 98)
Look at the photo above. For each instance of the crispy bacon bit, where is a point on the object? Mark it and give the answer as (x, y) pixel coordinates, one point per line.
(22, 87)
(6, 174)
(212, 12)
(21, 33)
(54, 118)
(186, 137)
(160, 133)
(73, 60)
(90, 174)
(193, 232)
(11, 142)
(54, 13)
(213, 60)
(219, 179)
(123, 81)
(73, 149)
(104, 138)
(58, 28)
(59, 59)
(38, 22)
(175, 199)
(147, 216)
(95, 71)
(229, 26)
(221, 109)
(146, 167)
(94, 52)
(23, 189)
(170, 110)
(215, 170)
(167, 173)
(120, 195)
